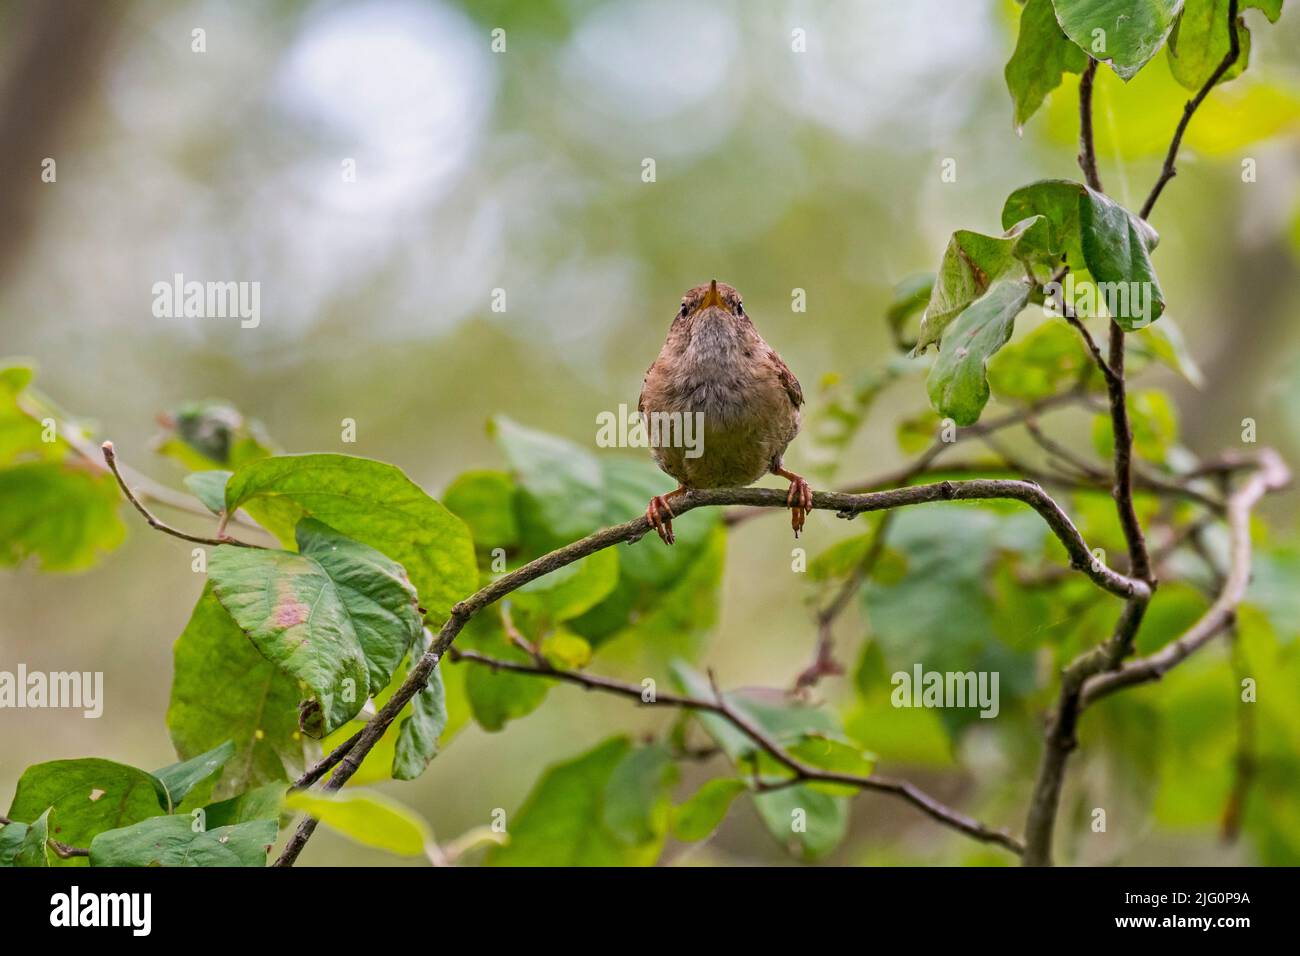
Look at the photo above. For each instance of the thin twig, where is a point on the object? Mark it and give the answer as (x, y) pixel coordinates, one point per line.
(847, 506)
(824, 663)
(1273, 475)
(1087, 148)
(157, 523)
(1168, 171)
(722, 707)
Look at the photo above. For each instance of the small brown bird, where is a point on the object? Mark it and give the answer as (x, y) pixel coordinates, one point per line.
(716, 368)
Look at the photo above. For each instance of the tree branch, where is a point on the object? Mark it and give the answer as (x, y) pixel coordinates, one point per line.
(845, 505)
(1168, 170)
(824, 663)
(1272, 476)
(1098, 672)
(157, 523)
(1087, 148)
(801, 771)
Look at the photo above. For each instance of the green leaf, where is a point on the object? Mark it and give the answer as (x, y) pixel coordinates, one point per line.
(834, 756)
(371, 819)
(563, 648)
(260, 803)
(210, 488)
(34, 850)
(21, 431)
(290, 610)
(942, 613)
(1164, 343)
(567, 492)
(1274, 572)
(175, 841)
(1125, 33)
(485, 501)
(1040, 364)
(562, 483)
(1103, 243)
(808, 822)
(957, 385)
(908, 298)
(636, 801)
(418, 734)
(1154, 423)
(375, 591)
(180, 778)
(1200, 41)
(498, 697)
(339, 615)
(256, 707)
(88, 796)
(704, 811)
(572, 590)
(1043, 53)
(370, 502)
(970, 264)
(1272, 8)
(212, 434)
(63, 515)
(12, 836)
(562, 821)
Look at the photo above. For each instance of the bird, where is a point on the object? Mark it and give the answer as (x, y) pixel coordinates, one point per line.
(716, 366)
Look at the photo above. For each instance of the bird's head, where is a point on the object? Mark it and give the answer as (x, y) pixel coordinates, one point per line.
(713, 299)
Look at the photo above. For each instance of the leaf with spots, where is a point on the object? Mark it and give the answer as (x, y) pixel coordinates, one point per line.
(256, 707)
(958, 383)
(88, 796)
(371, 502)
(173, 841)
(339, 616)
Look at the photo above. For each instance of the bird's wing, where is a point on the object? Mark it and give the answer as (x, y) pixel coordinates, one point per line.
(786, 378)
(645, 384)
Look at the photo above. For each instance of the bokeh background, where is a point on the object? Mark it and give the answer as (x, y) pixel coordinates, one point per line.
(521, 170)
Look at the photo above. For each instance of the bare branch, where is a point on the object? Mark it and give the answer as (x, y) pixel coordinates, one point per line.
(1087, 148)
(801, 772)
(157, 523)
(1168, 170)
(845, 505)
(1272, 476)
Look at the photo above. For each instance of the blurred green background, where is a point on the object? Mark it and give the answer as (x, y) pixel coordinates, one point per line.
(521, 170)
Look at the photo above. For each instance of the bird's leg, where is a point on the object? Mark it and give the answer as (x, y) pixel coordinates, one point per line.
(660, 514)
(800, 498)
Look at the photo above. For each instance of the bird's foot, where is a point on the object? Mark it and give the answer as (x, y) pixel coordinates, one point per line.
(799, 499)
(660, 515)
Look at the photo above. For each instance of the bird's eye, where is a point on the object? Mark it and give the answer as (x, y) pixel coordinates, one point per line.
(740, 307)
(684, 308)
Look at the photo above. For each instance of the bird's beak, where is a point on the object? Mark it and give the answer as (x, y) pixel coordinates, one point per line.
(712, 298)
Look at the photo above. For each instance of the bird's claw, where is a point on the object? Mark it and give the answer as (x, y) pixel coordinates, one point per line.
(800, 501)
(660, 516)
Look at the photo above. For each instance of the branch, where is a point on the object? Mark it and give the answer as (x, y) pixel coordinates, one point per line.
(845, 505)
(1272, 476)
(921, 464)
(1098, 672)
(156, 523)
(824, 663)
(801, 771)
(1168, 170)
(1087, 148)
